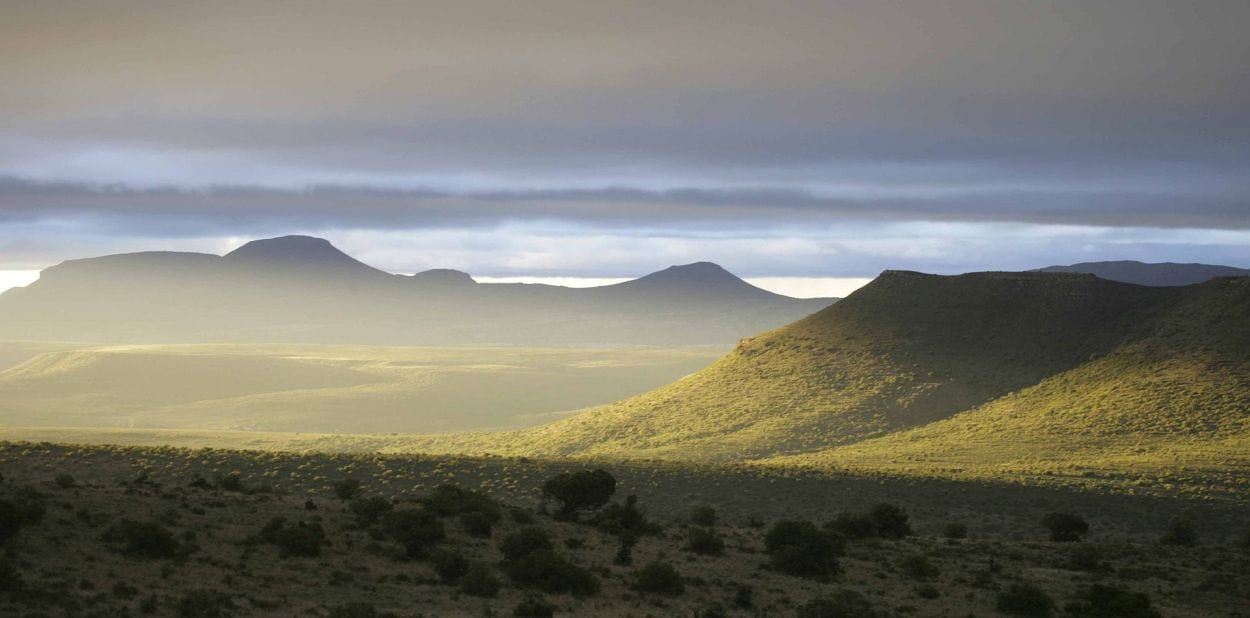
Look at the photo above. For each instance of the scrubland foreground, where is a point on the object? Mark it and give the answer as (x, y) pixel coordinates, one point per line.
(113, 531)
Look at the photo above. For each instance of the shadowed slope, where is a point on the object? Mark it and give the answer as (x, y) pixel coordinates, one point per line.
(906, 350)
(1161, 274)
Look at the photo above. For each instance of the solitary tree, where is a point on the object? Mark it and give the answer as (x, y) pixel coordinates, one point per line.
(588, 489)
(1065, 527)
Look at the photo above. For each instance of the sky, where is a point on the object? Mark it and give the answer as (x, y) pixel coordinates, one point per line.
(797, 143)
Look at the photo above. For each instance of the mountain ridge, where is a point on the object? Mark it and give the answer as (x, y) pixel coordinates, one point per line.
(301, 289)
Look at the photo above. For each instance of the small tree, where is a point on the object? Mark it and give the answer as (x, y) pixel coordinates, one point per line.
(1025, 599)
(704, 541)
(416, 529)
(1180, 532)
(843, 603)
(799, 548)
(588, 489)
(1100, 601)
(659, 578)
(1065, 527)
(346, 489)
(369, 511)
(890, 520)
(525, 541)
(703, 516)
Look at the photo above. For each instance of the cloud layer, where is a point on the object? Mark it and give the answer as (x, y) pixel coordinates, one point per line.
(129, 124)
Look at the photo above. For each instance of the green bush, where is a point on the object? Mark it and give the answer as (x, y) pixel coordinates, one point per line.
(301, 539)
(65, 481)
(625, 551)
(17, 514)
(346, 489)
(1086, 558)
(853, 525)
(1180, 532)
(918, 566)
(843, 604)
(1100, 601)
(448, 500)
(659, 578)
(418, 530)
(450, 565)
(703, 516)
(1065, 527)
(799, 548)
(549, 572)
(890, 520)
(1024, 599)
(369, 511)
(955, 530)
(534, 607)
(704, 541)
(479, 581)
(525, 541)
(588, 489)
(357, 610)
(206, 604)
(477, 524)
(144, 538)
(617, 518)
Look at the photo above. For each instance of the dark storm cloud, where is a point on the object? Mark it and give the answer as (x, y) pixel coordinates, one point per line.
(258, 211)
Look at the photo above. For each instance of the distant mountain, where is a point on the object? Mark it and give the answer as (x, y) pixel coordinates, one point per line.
(300, 289)
(1141, 273)
(984, 373)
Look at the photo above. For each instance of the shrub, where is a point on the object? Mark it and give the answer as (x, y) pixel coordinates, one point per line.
(890, 520)
(369, 511)
(144, 538)
(1100, 601)
(844, 604)
(534, 607)
(625, 552)
(205, 604)
(357, 610)
(703, 516)
(588, 489)
(742, 596)
(1086, 558)
(928, 591)
(416, 529)
(477, 524)
(346, 489)
(704, 541)
(525, 541)
(799, 548)
(12, 519)
(955, 530)
(1180, 532)
(65, 481)
(853, 526)
(1024, 599)
(1065, 527)
(230, 482)
(448, 500)
(302, 539)
(1244, 542)
(659, 578)
(617, 518)
(918, 566)
(449, 565)
(549, 572)
(479, 581)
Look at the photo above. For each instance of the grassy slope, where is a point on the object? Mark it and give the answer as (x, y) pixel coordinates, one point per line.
(987, 375)
(907, 350)
(1171, 407)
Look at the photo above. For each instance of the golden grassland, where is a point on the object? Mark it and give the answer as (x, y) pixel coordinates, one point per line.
(309, 388)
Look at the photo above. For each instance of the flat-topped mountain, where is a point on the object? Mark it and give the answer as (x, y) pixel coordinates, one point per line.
(300, 289)
(1161, 274)
(973, 373)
